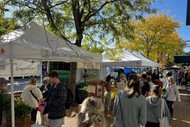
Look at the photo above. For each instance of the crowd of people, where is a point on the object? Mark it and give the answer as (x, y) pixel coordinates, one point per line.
(137, 104)
(180, 76)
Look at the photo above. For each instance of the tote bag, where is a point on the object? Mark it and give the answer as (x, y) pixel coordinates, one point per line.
(164, 119)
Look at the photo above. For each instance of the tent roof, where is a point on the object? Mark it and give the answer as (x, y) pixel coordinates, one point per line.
(36, 43)
(145, 61)
(127, 59)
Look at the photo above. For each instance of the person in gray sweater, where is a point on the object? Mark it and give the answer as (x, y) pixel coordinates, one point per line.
(130, 109)
(154, 103)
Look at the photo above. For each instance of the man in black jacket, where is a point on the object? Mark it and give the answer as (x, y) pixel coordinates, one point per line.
(56, 102)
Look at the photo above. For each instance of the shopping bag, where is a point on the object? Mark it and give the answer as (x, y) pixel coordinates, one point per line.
(163, 119)
(40, 106)
(164, 122)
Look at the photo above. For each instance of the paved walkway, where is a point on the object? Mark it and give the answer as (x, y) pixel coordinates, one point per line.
(69, 122)
(181, 114)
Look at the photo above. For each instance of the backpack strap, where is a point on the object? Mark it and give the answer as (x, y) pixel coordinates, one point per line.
(34, 95)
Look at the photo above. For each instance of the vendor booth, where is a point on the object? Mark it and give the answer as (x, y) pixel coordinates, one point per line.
(34, 43)
(128, 59)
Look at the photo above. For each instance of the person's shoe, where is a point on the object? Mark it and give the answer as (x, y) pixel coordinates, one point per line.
(174, 119)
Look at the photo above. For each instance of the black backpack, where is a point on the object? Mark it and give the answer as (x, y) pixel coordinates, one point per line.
(69, 100)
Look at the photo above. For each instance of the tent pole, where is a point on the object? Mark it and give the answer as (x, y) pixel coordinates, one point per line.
(101, 71)
(48, 66)
(12, 95)
(41, 73)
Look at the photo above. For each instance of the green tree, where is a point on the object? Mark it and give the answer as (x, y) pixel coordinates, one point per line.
(7, 25)
(156, 35)
(80, 20)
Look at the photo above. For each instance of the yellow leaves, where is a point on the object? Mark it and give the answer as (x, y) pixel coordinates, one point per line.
(156, 34)
(114, 54)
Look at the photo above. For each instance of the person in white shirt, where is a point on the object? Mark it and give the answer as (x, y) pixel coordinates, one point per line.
(29, 99)
(172, 93)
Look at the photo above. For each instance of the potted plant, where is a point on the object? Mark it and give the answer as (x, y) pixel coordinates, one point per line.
(22, 111)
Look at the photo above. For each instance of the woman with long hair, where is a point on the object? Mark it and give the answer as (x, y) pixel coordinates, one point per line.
(172, 93)
(154, 102)
(130, 109)
(91, 113)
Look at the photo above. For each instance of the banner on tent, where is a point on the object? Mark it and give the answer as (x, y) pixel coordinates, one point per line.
(21, 68)
(67, 55)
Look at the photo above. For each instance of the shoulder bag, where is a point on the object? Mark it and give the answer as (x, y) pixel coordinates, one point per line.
(40, 108)
(164, 119)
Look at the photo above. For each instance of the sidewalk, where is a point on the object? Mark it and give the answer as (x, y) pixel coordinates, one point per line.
(69, 122)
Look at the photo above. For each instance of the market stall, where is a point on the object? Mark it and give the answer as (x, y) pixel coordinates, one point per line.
(34, 43)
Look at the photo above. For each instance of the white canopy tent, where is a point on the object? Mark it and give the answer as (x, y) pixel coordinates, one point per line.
(145, 61)
(35, 43)
(127, 59)
(130, 59)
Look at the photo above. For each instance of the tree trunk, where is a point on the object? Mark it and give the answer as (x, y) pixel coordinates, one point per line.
(73, 68)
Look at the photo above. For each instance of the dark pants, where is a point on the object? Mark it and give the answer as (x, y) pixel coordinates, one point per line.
(151, 124)
(1, 108)
(170, 106)
(33, 115)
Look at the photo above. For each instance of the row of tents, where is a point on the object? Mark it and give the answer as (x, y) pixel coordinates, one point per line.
(34, 43)
(129, 59)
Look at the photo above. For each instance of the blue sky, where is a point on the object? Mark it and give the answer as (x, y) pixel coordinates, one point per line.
(178, 9)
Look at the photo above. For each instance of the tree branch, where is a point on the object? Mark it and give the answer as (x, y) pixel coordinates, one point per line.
(90, 14)
(59, 3)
